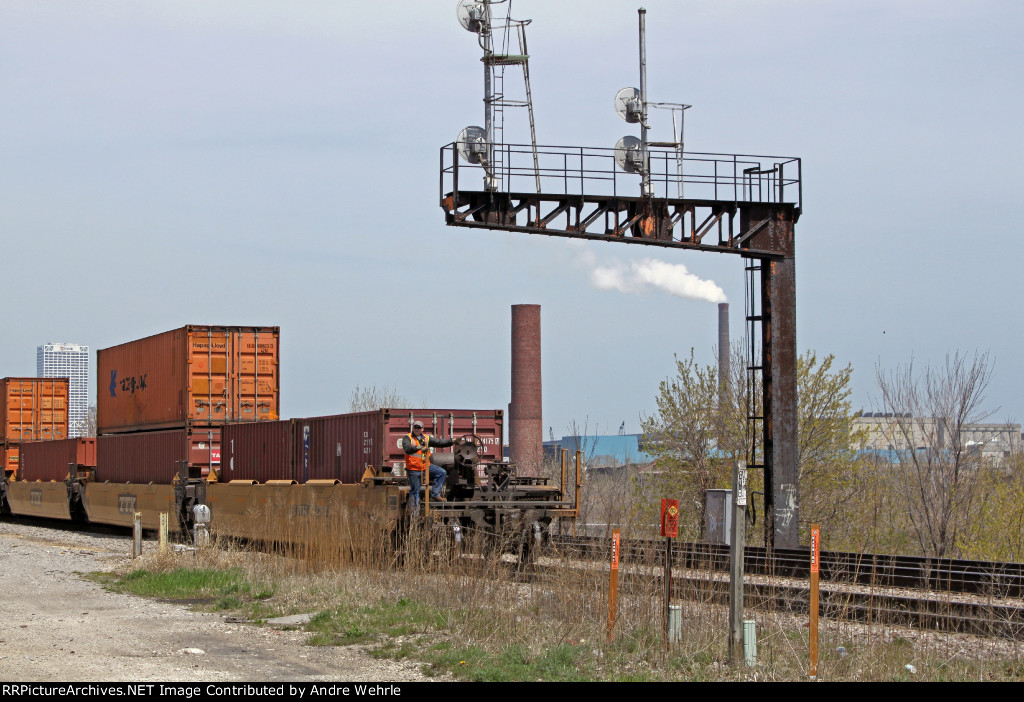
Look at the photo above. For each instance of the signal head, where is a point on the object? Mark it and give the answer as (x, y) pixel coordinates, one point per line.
(629, 155)
(472, 145)
(628, 105)
(472, 15)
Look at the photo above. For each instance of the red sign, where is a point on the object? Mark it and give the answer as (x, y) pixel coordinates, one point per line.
(670, 518)
(815, 548)
(615, 550)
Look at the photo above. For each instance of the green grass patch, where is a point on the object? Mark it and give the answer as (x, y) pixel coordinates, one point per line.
(515, 662)
(344, 626)
(184, 584)
(218, 590)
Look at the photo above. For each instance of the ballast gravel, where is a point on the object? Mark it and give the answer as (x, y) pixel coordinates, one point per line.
(58, 626)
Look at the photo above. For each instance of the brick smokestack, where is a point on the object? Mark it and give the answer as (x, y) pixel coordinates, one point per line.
(723, 351)
(526, 426)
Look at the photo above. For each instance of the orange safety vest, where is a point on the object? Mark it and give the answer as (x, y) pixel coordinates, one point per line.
(420, 460)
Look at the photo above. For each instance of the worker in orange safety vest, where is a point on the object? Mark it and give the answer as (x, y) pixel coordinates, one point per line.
(417, 447)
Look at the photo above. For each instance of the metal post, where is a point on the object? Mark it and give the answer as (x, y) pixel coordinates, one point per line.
(564, 460)
(646, 182)
(137, 535)
(490, 178)
(750, 642)
(163, 531)
(668, 586)
(815, 558)
(613, 589)
(579, 483)
(778, 362)
(739, 537)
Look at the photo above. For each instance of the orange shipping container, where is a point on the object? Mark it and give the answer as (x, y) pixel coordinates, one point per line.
(194, 375)
(11, 459)
(34, 409)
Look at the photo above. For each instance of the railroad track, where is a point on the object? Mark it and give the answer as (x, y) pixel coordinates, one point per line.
(912, 572)
(951, 595)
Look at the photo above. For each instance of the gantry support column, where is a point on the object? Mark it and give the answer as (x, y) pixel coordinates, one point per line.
(779, 354)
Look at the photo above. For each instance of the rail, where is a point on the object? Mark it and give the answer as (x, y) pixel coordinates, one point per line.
(911, 572)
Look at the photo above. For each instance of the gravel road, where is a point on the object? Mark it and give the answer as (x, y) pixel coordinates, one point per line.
(57, 626)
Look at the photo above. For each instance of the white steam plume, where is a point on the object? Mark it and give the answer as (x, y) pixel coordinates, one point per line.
(649, 274)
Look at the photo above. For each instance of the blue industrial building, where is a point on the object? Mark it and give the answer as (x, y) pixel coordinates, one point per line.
(602, 451)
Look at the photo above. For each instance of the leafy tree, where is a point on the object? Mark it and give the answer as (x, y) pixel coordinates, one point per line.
(696, 437)
(996, 531)
(827, 463)
(693, 436)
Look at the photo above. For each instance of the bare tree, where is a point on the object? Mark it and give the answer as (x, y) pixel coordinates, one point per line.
(90, 422)
(936, 475)
(374, 398)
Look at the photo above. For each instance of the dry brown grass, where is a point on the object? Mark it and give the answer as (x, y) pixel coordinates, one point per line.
(472, 610)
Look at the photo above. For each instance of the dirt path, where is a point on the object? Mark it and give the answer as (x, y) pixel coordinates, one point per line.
(54, 625)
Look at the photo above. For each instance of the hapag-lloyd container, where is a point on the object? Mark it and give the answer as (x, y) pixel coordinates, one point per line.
(196, 375)
(10, 453)
(34, 409)
(153, 456)
(339, 447)
(49, 460)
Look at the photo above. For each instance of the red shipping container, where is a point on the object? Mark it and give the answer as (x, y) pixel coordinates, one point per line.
(341, 446)
(152, 456)
(488, 425)
(196, 375)
(48, 460)
(33, 409)
(257, 451)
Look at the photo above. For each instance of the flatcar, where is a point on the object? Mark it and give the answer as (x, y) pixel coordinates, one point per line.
(484, 493)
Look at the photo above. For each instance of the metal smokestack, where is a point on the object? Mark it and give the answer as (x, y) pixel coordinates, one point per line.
(723, 352)
(526, 426)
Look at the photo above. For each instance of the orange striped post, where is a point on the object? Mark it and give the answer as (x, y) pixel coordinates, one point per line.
(613, 589)
(815, 558)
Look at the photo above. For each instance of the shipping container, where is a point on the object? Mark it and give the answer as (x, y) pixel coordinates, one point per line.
(196, 375)
(34, 409)
(153, 456)
(10, 454)
(487, 425)
(339, 447)
(256, 451)
(49, 460)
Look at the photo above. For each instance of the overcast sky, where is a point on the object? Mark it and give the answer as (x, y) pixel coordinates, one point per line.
(275, 163)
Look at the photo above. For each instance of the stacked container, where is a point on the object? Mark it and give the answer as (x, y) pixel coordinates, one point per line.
(340, 447)
(34, 409)
(169, 394)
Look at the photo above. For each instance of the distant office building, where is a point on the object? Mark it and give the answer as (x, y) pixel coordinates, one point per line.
(887, 435)
(69, 361)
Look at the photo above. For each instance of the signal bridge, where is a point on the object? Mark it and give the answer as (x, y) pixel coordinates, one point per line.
(728, 203)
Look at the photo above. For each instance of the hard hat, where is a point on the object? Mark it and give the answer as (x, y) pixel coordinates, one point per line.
(417, 423)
